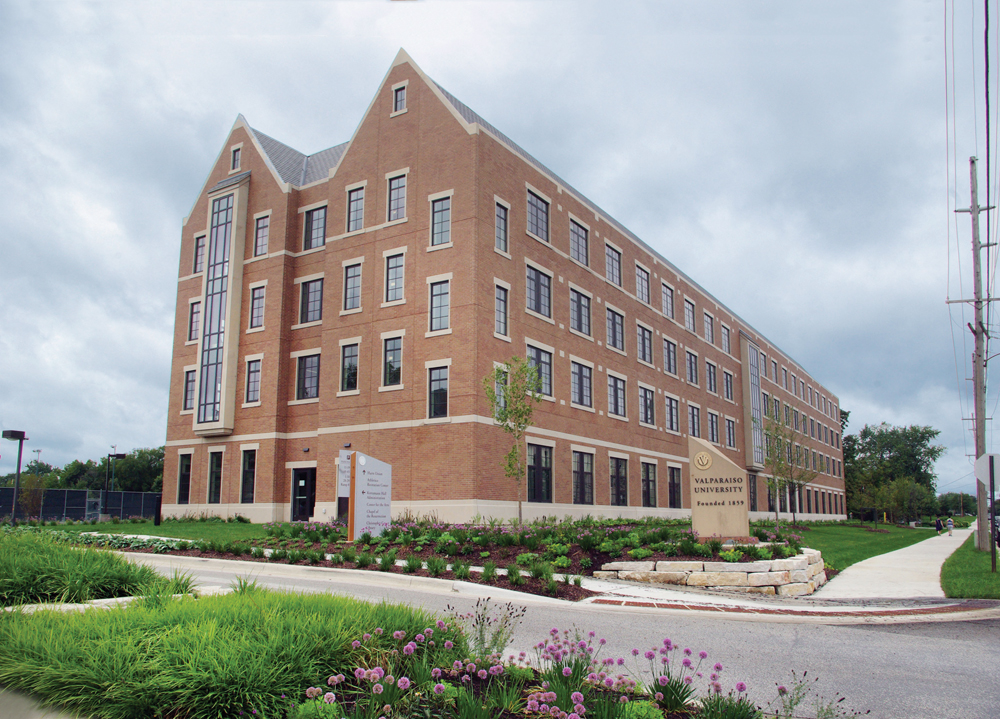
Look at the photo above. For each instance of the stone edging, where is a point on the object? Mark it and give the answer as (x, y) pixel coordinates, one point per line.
(802, 574)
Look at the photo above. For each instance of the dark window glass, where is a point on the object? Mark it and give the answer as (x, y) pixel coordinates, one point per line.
(235, 165)
(644, 349)
(249, 475)
(674, 487)
(648, 484)
(307, 386)
(692, 368)
(579, 246)
(194, 321)
(355, 209)
(542, 362)
(214, 311)
(538, 216)
(616, 396)
(184, 479)
(670, 356)
(616, 330)
(397, 198)
(613, 265)
(257, 307)
(348, 368)
(689, 314)
(726, 347)
(647, 411)
(579, 312)
(393, 364)
(260, 233)
(253, 381)
(399, 99)
(189, 388)
(311, 308)
(441, 221)
(501, 228)
(199, 254)
(619, 482)
(581, 384)
(539, 473)
(315, 230)
(501, 311)
(352, 287)
(727, 388)
(642, 284)
(694, 421)
(394, 278)
(214, 477)
(437, 405)
(440, 305)
(752, 493)
(713, 427)
(673, 420)
(667, 301)
(583, 478)
(710, 329)
(710, 377)
(539, 292)
(730, 433)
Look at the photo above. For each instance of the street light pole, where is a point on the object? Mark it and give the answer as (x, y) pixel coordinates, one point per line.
(18, 436)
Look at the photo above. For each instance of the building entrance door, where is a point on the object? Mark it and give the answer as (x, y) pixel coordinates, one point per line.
(303, 494)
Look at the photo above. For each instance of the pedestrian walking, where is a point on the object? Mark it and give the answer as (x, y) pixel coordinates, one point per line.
(951, 525)
(938, 526)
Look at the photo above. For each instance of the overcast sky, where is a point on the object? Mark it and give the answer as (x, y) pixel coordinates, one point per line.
(791, 157)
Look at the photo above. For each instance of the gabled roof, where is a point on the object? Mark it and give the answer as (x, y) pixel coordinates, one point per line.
(294, 167)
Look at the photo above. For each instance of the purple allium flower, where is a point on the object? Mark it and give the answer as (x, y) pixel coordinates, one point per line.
(688, 680)
(403, 683)
(390, 679)
(567, 671)
(456, 665)
(621, 661)
(470, 668)
(441, 625)
(448, 644)
(429, 632)
(532, 705)
(377, 689)
(329, 697)
(635, 652)
(378, 630)
(553, 631)
(741, 687)
(482, 674)
(573, 715)
(355, 644)
(379, 672)
(663, 680)
(466, 679)
(359, 673)
(408, 649)
(543, 708)
(703, 654)
(576, 698)
(366, 636)
(658, 696)
(609, 682)
(782, 691)
(438, 688)
(650, 654)
(602, 642)
(687, 651)
(592, 677)
(623, 699)
(313, 692)
(398, 634)
(419, 637)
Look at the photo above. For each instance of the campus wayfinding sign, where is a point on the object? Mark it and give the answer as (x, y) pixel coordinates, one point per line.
(370, 508)
(719, 498)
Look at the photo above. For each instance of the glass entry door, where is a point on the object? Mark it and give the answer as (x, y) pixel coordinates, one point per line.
(303, 494)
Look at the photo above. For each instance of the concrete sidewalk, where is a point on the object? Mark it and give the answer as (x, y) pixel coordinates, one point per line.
(912, 572)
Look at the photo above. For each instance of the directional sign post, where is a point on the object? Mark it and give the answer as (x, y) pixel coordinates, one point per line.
(370, 508)
(986, 468)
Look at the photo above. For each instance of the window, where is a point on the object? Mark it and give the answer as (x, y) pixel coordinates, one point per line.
(642, 284)
(647, 409)
(713, 427)
(795, 420)
(542, 362)
(812, 428)
(437, 393)
(670, 356)
(194, 320)
(726, 346)
(397, 198)
(692, 368)
(579, 244)
(440, 305)
(394, 278)
(619, 481)
(249, 475)
(674, 487)
(616, 330)
(261, 229)
(399, 99)
(501, 228)
(539, 292)
(216, 296)
(392, 372)
(648, 484)
(184, 479)
(355, 209)
(189, 385)
(644, 343)
(441, 221)
(199, 254)
(583, 478)
(694, 421)
(500, 311)
(539, 473)
(613, 265)
(777, 410)
(307, 386)
(689, 315)
(616, 396)
(667, 300)
(763, 365)
(730, 432)
(235, 164)
(500, 389)
(727, 389)
(311, 305)
(315, 231)
(752, 493)
(579, 312)
(253, 381)
(349, 368)
(709, 329)
(581, 384)
(257, 307)
(774, 371)
(788, 415)
(710, 374)
(214, 477)
(673, 420)
(538, 216)
(784, 377)
(352, 287)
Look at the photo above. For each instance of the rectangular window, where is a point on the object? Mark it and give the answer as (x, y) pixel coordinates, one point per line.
(694, 421)
(260, 233)
(727, 388)
(689, 315)
(257, 307)
(726, 346)
(392, 372)
(542, 362)
(194, 320)
(397, 198)
(730, 433)
(709, 329)
(644, 343)
(579, 243)
(501, 228)
(616, 396)
(539, 473)
(214, 477)
(619, 481)
(355, 209)
(692, 368)
(613, 265)
(437, 392)
(539, 292)
(440, 305)
(670, 356)
(667, 300)
(394, 278)
(583, 478)
(348, 368)
(253, 381)
(311, 305)
(710, 377)
(648, 484)
(777, 410)
(500, 389)
(642, 284)
(538, 216)
(315, 230)
(249, 475)
(774, 371)
(752, 493)
(352, 287)
(216, 297)
(189, 385)
(199, 254)
(784, 377)
(441, 221)
(674, 487)
(616, 330)
(579, 312)
(399, 99)
(581, 384)
(235, 163)
(307, 385)
(713, 427)
(500, 311)
(184, 479)
(647, 407)
(672, 419)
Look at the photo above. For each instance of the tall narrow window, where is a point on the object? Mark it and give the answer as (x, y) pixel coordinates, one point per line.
(713, 427)
(440, 305)
(348, 368)
(648, 484)
(752, 493)
(189, 389)
(261, 230)
(194, 320)
(184, 479)
(692, 368)
(441, 221)
(315, 230)
(542, 362)
(539, 473)
(667, 300)
(352, 287)
(727, 348)
(199, 254)
(214, 477)
(538, 216)
(689, 315)
(579, 312)
(397, 198)
(356, 209)
(644, 343)
(616, 330)
(670, 356)
(581, 384)
(613, 265)
(235, 163)
(500, 389)
(539, 292)
(694, 421)
(647, 406)
(307, 383)
(616, 396)
(501, 228)
(394, 278)
(619, 481)
(216, 293)
(500, 311)
(583, 478)
(710, 377)
(642, 284)
(253, 381)
(311, 305)
(727, 390)
(399, 99)
(392, 373)
(672, 419)
(249, 475)
(674, 487)
(579, 245)
(709, 329)
(437, 400)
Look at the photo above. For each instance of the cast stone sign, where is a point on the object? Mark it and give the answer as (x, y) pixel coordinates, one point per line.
(370, 508)
(719, 500)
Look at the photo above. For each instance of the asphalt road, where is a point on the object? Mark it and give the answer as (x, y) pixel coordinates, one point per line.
(934, 669)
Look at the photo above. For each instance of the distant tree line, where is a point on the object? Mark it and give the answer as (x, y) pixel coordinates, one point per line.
(140, 471)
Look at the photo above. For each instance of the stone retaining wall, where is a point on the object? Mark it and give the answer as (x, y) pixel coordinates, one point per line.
(802, 574)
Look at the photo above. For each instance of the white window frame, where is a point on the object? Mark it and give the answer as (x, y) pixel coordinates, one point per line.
(246, 376)
(431, 199)
(386, 254)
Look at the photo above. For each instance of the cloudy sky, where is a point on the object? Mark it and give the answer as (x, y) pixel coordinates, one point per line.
(794, 158)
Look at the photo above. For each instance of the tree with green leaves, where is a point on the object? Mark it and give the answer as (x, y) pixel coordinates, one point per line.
(786, 463)
(880, 454)
(513, 391)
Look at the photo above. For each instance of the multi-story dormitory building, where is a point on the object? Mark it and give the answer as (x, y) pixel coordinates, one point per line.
(357, 297)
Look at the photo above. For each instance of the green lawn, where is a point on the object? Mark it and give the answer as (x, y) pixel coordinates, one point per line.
(967, 574)
(209, 531)
(843, 546)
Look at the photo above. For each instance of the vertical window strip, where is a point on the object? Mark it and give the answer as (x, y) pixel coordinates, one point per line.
(261, 230)
(441, 221)
(216, 291)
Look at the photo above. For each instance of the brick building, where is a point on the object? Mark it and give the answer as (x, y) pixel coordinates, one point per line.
(359, 295)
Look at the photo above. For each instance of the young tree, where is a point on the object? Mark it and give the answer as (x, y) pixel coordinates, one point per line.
(513, 391)
(786, 463)
(879, 454)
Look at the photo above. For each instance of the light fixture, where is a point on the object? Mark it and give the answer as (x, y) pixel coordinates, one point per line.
(15, 435)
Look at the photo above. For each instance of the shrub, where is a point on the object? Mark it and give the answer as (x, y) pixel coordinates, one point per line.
(388, 561)
(714, 545)
(640, 553)
(540, 570)
(489, 572)
(364, 560)
(514, 575)
(257, 552)
(526, 558)
(733, 555)
(586, 562)
(563, 562)
(461, 570)
(436, 566)
(413, 563)
(350, 554)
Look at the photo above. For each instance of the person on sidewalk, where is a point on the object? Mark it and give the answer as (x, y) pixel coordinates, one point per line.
(951, 526)
(938, 526)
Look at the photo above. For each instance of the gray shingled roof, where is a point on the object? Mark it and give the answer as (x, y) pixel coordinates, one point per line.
(295, 167)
